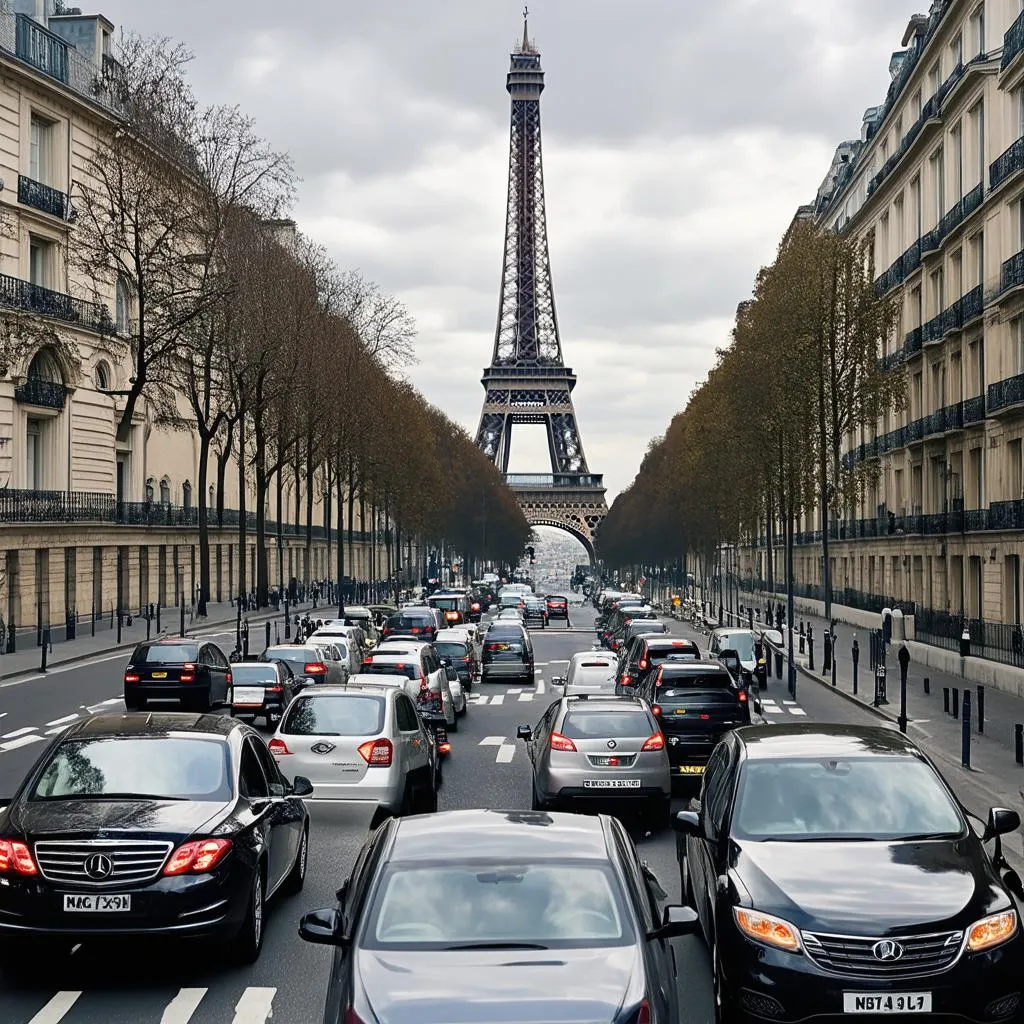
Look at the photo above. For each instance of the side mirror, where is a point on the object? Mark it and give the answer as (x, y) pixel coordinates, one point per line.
(757, 706)
(324, 927)
(1000, 822)
(688, 823)
(302, 786)
(525, 733)
(558, 681)
(676, 922)
(298, 685)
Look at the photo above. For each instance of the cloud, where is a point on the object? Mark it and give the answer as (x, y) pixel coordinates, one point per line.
(679, 138)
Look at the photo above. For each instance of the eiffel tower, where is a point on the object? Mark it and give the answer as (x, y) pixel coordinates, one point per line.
(527, 381)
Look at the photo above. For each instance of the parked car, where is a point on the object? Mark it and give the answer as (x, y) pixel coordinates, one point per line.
(526, 917)
(360, 744)
(262, 690)
(307, 663)
(914, 917)
(157, 825)
(194, 673)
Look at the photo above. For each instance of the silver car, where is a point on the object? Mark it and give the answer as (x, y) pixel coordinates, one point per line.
(307, 663)
(588, 672)
(588, 747)
(359, 744)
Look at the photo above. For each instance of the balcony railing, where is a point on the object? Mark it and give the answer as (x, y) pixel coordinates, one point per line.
(1013, 42)
(42, 197)
(45, 51)
(934, 329)
(34, 298)
(913, 341)
(1006, 165)
(46, 393)
(1005, 393)
(911, 259)
(1011, 273)
(972, 305)
(543, 481)
(974, 410)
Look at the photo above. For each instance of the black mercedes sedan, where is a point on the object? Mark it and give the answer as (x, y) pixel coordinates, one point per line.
(170, 825)
(835, 872)
(517, 917)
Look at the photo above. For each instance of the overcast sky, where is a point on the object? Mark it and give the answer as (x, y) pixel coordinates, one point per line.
(679, 138)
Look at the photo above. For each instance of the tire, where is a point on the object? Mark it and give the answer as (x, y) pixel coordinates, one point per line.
(426, 795)
(297, 876)
(685, 886)
(134, 704)
(246, 945)
(199, 702)
(454, 727)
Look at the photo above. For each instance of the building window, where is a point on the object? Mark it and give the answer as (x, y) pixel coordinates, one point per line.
(939, 183)
(916, 209)
(41, 261)
(33, 456)
(978, 29)
(150, 491)
(40, 158)
(935, 77)
(977, 249)
(165, 492)
(123, 306)
(956, 274)
(186, 494)
(957, 141)
(102, 377)
(956, 50)
(1014, 470)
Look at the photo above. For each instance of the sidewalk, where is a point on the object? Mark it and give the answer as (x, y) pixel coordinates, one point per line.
(26, 659)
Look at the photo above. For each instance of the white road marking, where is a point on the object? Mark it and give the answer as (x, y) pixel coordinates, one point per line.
(53, 732)
(773, 711)
(19, 732)
(479, 699)
(790, 703)
(797, 711)
(55, 1010)
(525, 696)
(107, 703)
(541, 687)
(498, 699)
(491, 741)
(63, 721)
(516, 689)
(505, 754)
(21, 741)
(255, 1006)
(180, 1009)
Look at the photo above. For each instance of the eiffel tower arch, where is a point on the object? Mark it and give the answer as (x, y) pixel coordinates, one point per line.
(528, 381)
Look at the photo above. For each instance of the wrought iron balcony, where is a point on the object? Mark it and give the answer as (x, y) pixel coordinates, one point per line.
(544, 481)
(934, 329)
(911, 259)
(1013, 43)
(42, 197)
(974, 410)
(913, 341)
(892, 360)
(46, 393)
(1005, 393)
(1011, 274)
(1006, 515)
(1006, 165)
(34, 298)
(972, 305)
(42, 49)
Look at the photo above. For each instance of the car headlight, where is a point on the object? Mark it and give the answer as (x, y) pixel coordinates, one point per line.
(772, 931)
(992, 931)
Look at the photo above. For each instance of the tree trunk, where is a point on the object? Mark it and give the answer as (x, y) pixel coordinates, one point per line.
(281, 581)
(204, 525)
(298, 498)
(262, 488)
(770, 540)
(222, 469)
(339, 483)
(328, 511)
(310, 472)
(790, 604)
(351, 513)
(826, 568)
(241, 511)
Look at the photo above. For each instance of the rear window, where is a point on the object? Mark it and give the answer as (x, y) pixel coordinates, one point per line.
(334, 716)
(450, 650)
(673, 684)
(446, 604)
(636, 627)
(407, 669)
(598, 725)
(408, 619)
(165, 654)
(254, 673)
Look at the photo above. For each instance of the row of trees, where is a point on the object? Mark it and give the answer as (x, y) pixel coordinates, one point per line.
(245, 332)
(759, 445)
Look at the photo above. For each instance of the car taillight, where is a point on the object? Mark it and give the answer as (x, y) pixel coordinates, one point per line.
(368, 661)
(475, 608)
(560, 742)
(643, 664)
(643, 1014)
(743, 696)
(415, 629)
(276, 746)
(445, 748)
(130, 677)
(229, 677)
(198, 857)
(188, 673)
(315, 668)
(377, 753)
(704, 717)
(275, 689)
(655, 742)
(656, 709)
(626, 681)
(15, 856)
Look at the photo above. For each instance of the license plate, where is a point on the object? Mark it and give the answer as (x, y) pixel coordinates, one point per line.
(248, 695)
(159, 675)
(97, 904)
(680, 711)
(611, 783)
(887, 1002)
(691, 769)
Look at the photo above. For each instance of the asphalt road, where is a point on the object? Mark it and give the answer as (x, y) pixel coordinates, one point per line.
(179, 984)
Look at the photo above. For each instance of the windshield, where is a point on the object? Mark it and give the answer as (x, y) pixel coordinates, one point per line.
(181, 768)
(334, 716)
(495, 904)
(165, 654)
(741, 643)
(856, 798)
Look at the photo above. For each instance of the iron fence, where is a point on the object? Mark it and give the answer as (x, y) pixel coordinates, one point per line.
(995, 641)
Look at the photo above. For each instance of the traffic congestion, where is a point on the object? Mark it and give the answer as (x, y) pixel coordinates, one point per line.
(500, 802)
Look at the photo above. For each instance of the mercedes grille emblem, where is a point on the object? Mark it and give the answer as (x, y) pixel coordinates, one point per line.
(98, 866)
(322, 748)
(887, 950)
(612, 744)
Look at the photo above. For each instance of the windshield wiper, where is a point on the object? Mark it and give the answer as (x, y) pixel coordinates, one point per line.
(114, 796)
(927, 835)
(822, 839)
(498, 945)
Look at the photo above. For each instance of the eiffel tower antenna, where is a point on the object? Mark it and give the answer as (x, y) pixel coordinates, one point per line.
(528, 381)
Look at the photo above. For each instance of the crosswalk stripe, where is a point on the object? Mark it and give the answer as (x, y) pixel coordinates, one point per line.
(255, 1006)
(63, 721)
(773, 711)
(498, 699)
(55, 1010)
(19, 732)
(526, 696)
(180, 1009)
(515, 689)
(21, 741)
(491, 741)
(797, 711)
(505, 754)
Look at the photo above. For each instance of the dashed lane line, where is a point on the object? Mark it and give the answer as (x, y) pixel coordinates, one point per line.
(505, 754)
(255, 1006)
(491, 741)
(54, 1011)
(15, 733)
(64, 720)
(180, 1009)
(22, 741)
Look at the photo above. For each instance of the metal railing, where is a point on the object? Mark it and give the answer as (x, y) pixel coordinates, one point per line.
(34, 298)
(553, 480)
(1004, 393)
(42, 197)
(996, 641)
(1013, 43)
(46, 393)
(1011, 273)
(1007, 164)
(974, 410)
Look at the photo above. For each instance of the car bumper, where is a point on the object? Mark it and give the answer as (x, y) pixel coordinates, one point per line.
(211, 905)
(506, 670)
(379, 785)
(165, 691)
(268, 707)
(788, 988)
(571, 784)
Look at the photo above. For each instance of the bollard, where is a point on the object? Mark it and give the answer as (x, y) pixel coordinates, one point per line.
(810, 649)
(826, 654)
(277, 633)
(268, 634)
(981, 709)
(1018, 743)
(287, 621)
(149, 625)
(768, 659)
(750, 618)
(965, 733)
(956, 702)
(158, 616)
(927, 685)
(835, 661)
(855, 654)
(778, 663)
(46, 644)
(119, 617)
(902, 720)
(803, 636)
(881, 683)
(181, 624)
(11, 637)
(945, 699)
(94, 618)
(245, 640)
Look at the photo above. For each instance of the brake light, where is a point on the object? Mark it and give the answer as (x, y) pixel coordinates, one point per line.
(655, 742)
(315, 668)
(560, 742)
(704, 717)
(415, 629)
(643, 664)
(743, 696)
(16, 856)
(279, 747)
(188, 673)
(368, 661)
(377, 753)
(626, 681)
(196, 858)
(130, 677)
(656, 709)
(643, 1014)
(475, 608)
(275, 689)
(445, 748)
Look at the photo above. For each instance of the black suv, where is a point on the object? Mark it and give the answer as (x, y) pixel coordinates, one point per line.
(418, 622)
(645, 653)
(508, 654)
(195, 673)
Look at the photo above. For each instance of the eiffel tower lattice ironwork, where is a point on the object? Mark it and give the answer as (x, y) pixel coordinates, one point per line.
(527, 381)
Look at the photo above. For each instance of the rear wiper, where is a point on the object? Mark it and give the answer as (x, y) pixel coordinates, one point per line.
(498, 945)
